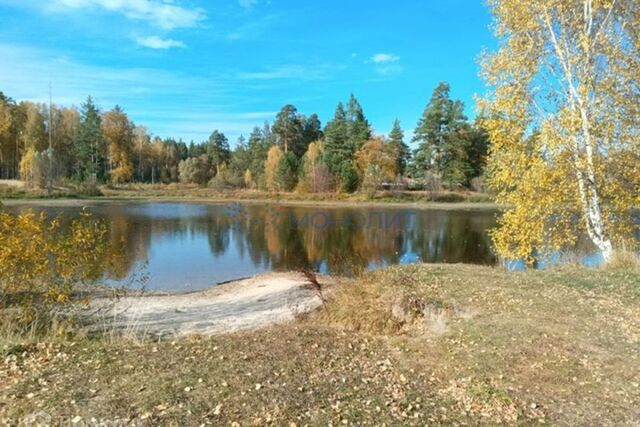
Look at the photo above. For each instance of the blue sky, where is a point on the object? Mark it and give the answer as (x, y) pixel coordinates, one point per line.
(186, 67)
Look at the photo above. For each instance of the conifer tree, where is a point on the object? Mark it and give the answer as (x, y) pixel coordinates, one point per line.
(89, 143)
(218, 150)
(288, 129)
(443, 148)
(403, 153)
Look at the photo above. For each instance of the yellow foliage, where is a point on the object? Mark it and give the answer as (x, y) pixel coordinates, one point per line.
(315, 176)
(379, 154)
(118, 133)
(41, 261)
(27, 166)
(271, 167)
(248, 179)
(565, 152)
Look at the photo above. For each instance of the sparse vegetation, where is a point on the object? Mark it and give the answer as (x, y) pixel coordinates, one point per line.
(195, 192)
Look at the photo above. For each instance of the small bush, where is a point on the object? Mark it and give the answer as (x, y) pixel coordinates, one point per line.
(195, 170)
(447, 197)
(41, 263)
(371, 303)
(477, 185)
(432, 182)
(88, 189)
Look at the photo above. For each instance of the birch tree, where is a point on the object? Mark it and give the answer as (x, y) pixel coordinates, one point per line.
(563, 116)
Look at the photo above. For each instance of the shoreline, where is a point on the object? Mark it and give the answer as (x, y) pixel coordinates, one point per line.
(249, 303)
(79, 202)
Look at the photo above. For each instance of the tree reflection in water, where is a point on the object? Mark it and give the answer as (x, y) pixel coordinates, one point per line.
(191, 246)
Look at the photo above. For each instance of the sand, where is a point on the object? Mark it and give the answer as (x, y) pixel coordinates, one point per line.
(244, 304)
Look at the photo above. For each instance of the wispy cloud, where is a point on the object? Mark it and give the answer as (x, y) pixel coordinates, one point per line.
(255, 28)
(155, 42)
(247, 4)
(33, 69)
(384, 58)
(386, 64)
(293, 72)
(389, 70)
(164, 14)
(199, 126)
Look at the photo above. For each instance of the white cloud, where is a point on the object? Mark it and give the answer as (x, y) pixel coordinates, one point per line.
(31, 71)
(142, 91)
(162, 13)
(155, 42)
(247, 4)
(384, 58)
(295, 72)
(386, 64)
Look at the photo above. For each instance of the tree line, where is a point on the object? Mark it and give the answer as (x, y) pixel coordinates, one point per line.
(43, 144)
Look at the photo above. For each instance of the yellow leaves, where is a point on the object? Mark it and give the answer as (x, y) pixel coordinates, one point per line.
(271, 167)
(5, 118)
(42, 261)
(118, 133)
(248, 179)
(555, 114)
(314, 151)
(379, 154)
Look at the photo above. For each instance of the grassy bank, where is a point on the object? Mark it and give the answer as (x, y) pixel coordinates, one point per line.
(181, 191)
(15, 190)
(405, 346)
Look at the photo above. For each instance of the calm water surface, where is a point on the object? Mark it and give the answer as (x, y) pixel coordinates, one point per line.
(181, 246)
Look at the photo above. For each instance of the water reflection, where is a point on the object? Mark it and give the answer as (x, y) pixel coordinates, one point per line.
(189, 246)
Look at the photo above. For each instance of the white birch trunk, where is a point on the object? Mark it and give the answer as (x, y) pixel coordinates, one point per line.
(585, 175)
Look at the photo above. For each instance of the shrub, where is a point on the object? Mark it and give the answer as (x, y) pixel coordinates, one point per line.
(477, 185)
(372, 180)
(195, 170)
(41, 263)
(224, 180)
(34, 168)
(432, 182)
(370, 303)
(316, 178)
(88, 189)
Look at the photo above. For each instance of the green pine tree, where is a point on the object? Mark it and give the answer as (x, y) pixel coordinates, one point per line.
(396, 140)
(288, 130)
(344, 136)
(90, 161)
(443, 138)
(258, 147)
(337, 154)
(311, 130)
(358, 127)
(287, 172)
(218, 150)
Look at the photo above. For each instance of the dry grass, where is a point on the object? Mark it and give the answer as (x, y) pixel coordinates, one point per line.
(625, 260)
(194, 192)
(16, 190)
(560, 347)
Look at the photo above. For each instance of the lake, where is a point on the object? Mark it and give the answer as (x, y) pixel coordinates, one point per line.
(187, 247)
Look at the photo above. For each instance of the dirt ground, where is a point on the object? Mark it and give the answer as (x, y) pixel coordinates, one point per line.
(244, 304)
